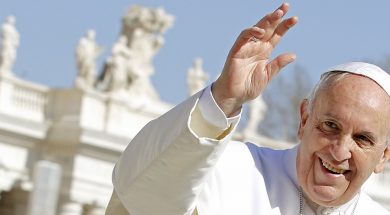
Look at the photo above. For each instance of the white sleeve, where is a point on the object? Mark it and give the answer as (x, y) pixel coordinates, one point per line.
(208, 119)
(163, 169)
(212, 113)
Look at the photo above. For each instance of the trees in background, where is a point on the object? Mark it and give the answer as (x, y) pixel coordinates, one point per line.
(283, 98)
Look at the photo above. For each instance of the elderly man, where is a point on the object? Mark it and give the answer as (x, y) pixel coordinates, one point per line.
(185, 162)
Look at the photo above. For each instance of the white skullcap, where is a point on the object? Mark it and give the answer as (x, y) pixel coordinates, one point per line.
(368, 70)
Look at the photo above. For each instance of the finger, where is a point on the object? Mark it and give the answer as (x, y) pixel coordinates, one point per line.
(278, 63)
(274, 16)
(248, 35)
(256, 33)
(280, 12)
(282, 28)
(252, 32)
(271, 21)
(284, 7)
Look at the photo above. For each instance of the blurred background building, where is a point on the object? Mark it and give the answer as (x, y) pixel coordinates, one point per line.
(58, 147)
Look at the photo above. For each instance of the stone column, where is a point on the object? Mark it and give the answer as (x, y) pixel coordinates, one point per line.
(44, 196)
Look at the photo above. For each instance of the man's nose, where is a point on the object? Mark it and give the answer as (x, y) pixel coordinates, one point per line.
(341, 149)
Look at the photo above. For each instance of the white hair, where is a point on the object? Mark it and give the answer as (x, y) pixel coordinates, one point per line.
(327, 79)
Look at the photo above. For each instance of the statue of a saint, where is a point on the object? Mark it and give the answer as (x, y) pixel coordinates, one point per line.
(196, 77)
(128, 70)
(9, 43)
(87, 52)
(144, 28)
(145, 45)
(115, 76)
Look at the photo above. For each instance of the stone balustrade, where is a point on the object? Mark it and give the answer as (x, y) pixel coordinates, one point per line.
(23, 99)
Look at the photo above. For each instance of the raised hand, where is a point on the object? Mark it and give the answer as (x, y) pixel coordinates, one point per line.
(247, 69)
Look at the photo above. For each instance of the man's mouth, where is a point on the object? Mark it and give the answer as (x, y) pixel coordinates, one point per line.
(332, 169)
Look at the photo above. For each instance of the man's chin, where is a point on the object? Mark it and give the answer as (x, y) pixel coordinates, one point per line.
(326, 196)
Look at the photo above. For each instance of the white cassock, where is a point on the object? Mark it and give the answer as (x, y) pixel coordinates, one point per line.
(185, 163)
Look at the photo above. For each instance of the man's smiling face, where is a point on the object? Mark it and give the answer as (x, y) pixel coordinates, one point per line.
(343, 139)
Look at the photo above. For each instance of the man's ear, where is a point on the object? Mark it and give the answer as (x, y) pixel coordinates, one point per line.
(382, 162)
(304, 115)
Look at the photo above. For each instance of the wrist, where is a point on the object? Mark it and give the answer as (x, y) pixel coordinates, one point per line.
(230, 106)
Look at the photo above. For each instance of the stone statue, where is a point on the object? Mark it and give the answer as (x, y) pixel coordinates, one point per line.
(87, 52)
(115, 76)
(9, 43)
(127, 71)
(196, 77)
(143, 28)
(150, 20)
(144, 46)
(257, 109)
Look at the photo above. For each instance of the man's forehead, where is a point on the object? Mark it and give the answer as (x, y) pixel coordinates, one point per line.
(370, 71)
(352, 91)
(358, 87)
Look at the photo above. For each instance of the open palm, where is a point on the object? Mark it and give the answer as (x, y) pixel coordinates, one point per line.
(248, 70)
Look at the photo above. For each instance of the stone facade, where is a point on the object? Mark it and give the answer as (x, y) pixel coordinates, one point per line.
(83, 132)
(59, 146)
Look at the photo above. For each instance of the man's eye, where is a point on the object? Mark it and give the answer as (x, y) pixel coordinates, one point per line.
(363, 140)
(362, 137)
(329, 126)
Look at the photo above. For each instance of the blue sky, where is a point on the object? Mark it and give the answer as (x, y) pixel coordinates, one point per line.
(328, 33)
